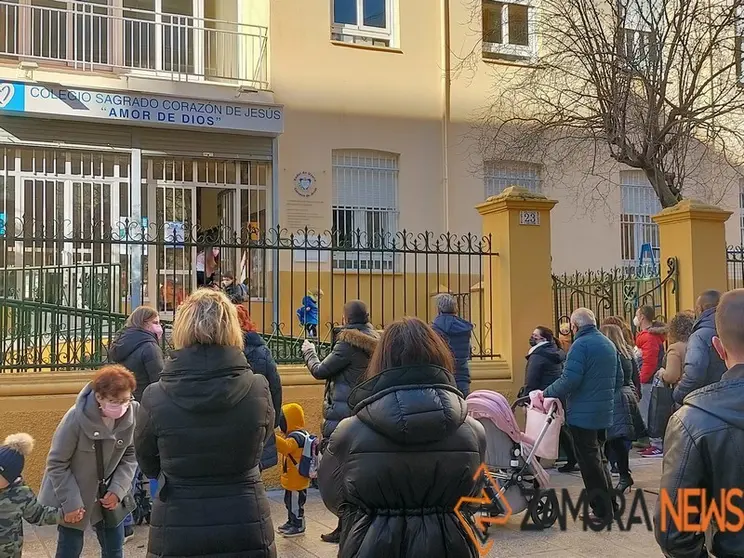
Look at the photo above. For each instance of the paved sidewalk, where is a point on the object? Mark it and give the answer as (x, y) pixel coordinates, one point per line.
(509, 541)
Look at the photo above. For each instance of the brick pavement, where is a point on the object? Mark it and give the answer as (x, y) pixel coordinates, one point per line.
(509, 541)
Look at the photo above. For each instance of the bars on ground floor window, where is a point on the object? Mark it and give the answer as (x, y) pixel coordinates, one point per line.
(365, 208)
(639, 205)
(499, 175)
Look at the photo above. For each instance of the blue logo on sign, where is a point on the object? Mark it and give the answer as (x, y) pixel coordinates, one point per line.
(12, 96)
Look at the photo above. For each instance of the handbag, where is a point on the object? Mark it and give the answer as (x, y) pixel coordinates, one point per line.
(111, 518)
(660, 409)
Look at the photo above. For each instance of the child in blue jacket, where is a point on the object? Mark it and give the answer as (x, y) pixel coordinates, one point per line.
(308, 313)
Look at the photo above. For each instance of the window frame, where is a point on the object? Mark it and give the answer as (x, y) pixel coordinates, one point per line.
(639, 44)
(504, 48)
(365, 31)
(636, 225)
(375, 255)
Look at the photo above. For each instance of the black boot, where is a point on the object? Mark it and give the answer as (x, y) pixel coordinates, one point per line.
(567, 468)
(625, 483)
(332, 537)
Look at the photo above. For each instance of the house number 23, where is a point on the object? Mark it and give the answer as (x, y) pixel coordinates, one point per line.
(529, 218)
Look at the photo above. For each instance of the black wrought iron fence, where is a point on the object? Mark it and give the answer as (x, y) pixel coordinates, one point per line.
(67, 288)
(616, 292)
(735, 267)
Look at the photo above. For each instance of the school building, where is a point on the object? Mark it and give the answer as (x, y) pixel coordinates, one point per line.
(132, 116)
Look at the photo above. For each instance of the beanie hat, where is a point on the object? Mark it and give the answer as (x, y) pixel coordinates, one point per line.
(13, 454)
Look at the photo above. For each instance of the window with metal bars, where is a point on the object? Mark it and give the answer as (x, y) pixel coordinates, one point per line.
(639, 204)
(365, 208)
(499, 175)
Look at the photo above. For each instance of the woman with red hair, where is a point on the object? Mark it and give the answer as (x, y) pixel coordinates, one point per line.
(262, 362)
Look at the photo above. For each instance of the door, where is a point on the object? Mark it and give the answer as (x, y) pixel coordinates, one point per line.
(227, 209)
(175, 207)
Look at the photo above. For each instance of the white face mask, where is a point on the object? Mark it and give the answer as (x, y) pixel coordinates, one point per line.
(636, 322)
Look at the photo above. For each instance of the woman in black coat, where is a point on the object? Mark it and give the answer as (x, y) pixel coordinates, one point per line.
(200, 431)
(544, 360)
(625, 414)
(262, 362)
(136, 348)
(342, 370)
(395, 471)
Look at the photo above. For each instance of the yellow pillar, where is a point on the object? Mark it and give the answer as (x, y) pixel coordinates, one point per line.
(695, 234)
(518, 287)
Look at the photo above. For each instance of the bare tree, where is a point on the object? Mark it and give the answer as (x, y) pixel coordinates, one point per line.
(654, 83)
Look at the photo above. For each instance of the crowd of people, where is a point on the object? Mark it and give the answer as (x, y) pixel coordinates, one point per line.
(203, 423)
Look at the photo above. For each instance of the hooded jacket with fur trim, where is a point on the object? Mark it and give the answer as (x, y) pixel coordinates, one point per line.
(342, 370)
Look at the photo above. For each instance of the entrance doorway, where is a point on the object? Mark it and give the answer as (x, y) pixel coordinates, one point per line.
(202, 204)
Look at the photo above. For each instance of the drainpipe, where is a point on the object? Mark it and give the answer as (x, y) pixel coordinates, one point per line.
(446, 66)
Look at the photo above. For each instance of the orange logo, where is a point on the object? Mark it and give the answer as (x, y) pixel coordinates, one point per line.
(476, 525)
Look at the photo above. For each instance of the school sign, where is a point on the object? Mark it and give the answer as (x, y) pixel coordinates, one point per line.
(55, 101)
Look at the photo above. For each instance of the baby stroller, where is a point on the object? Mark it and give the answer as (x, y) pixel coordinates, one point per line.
(511, 458)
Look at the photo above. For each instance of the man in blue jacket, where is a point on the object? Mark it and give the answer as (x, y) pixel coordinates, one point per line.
(703, 366)
(587, 385)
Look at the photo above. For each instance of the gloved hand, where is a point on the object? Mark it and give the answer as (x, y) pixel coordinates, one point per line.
(307, 347)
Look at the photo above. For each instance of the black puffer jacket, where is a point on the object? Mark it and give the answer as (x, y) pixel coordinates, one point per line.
(544, 366)
(342, 370)
(138, 351)
(626, 416)
(395, 471)
(703, 449)
(262, 362)
(200, 431)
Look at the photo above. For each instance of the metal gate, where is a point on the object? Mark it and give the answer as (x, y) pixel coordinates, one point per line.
(616, 292)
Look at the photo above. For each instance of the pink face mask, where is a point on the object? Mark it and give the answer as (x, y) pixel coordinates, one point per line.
(157, 329)
(114, 410)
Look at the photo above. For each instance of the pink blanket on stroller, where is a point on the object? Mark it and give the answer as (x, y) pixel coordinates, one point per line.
(493, 406)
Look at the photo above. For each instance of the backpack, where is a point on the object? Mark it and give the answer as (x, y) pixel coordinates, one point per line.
(308, 465)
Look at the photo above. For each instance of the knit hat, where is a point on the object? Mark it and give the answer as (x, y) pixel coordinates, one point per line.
(13, 454)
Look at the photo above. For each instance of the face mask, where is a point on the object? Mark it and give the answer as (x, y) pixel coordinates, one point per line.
(157, 329)
(636, 322)
(534, 341)
(114, 410)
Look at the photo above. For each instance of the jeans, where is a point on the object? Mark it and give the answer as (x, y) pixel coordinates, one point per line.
(589, 445)
(70, 541)
(644, 406)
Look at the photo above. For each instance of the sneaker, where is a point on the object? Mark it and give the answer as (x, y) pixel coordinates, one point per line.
(128, 533)
(293, 531)
(652, 452)
(641, 444)
(284, 527)
(614, 472)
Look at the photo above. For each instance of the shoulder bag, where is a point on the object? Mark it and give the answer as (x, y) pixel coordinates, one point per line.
(111, 518)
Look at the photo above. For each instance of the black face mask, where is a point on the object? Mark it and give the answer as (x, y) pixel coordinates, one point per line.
(534, 341)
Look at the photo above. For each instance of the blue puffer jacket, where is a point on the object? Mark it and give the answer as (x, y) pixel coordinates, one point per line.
(703, 366)
(456, 332)
(588, 381)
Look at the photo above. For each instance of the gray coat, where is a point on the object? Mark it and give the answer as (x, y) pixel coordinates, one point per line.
(71, 479)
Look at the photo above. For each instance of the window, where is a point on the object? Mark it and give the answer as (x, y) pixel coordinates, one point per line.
(499, 175)
(365, 208)
(639, 20)
(509, 29)
(363, 22)
(637, 228)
